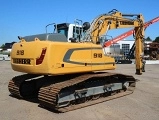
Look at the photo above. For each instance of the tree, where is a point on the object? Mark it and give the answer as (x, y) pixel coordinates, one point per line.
(2, 46)
(148, 39)
(156, 39)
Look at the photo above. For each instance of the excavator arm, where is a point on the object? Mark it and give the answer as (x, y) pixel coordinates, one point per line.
(115, 20)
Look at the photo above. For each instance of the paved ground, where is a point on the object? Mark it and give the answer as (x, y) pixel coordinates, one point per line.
(143, 104)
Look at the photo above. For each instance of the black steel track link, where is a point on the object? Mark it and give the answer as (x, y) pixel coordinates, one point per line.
(48, 94)
(14, 85)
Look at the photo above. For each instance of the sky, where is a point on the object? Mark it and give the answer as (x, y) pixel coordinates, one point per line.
(28, 17)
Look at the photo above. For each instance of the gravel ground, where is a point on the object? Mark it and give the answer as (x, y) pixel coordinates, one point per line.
(143, 104)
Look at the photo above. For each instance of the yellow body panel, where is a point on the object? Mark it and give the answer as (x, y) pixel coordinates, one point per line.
(60, 57)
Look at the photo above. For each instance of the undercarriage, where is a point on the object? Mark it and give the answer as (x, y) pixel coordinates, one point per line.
(69, 92)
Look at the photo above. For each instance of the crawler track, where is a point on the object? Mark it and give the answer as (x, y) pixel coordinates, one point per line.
(49, 89)
(48, 95)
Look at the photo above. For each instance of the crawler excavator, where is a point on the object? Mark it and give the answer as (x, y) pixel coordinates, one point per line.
(64, 69)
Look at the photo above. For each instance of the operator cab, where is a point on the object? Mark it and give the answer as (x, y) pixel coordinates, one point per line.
(73, 32)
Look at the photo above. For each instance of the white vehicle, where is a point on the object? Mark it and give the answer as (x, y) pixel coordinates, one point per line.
(4, 57)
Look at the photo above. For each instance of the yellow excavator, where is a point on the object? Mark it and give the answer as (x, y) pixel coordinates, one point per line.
(64, 69)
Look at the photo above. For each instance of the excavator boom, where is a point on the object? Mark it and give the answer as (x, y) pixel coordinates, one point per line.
(113, 20)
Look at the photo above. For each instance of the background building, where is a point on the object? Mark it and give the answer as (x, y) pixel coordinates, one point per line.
(126, 45)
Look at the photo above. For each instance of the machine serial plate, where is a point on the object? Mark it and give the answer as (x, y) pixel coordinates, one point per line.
(22, 61)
